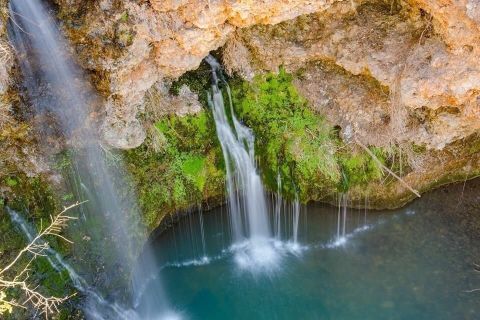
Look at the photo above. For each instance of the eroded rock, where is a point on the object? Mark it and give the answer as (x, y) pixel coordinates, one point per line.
(402, 73)
(139, 44)
(433, 90)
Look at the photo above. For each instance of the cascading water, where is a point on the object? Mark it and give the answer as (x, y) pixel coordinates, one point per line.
(296, 219)
(101, 306)
(277, 218)
(290, 212)
(63, 106)
(58, 90)
(247, 197)
(342, 219)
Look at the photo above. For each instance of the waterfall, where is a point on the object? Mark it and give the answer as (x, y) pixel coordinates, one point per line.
(100, 306)
(64, 105)
(202, 232)
(246, 195)
(277, 222)
(57, 89)
(341, 237)
(296, 219)
(247, 199)
(291, 213)
(30, 234)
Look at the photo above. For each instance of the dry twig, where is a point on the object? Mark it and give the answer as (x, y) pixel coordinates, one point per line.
(374, 157)
(44, 304)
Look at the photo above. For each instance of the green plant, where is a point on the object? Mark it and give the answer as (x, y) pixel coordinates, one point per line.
(11, 182)
(291, 140)
(297, 144)
(124, 17)
(187, 169)
(17, 289)
(359, 168)
(197, 80)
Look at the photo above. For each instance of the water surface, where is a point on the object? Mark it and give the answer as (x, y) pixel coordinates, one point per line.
(412, 263)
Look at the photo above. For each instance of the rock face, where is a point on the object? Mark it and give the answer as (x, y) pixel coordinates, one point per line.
(402, 72)
(138, 44)
(432, 88)
(424, 53)
(19, 152)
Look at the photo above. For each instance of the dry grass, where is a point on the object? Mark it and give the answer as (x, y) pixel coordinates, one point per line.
(383, 167)
(154, 104)
(6, 62)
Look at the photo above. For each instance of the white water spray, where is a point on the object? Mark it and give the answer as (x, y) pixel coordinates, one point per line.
(277, 218)
(296, 219)
(246, 195)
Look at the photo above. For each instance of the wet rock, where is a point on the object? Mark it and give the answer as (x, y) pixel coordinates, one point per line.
(401, 73)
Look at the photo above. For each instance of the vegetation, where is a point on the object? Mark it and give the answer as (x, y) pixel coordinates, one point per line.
(6, 55)
(24, 194)
(182, 164)
(197, 80)
(185, 168)
(297, 144)
(358, 168)
(36, 200)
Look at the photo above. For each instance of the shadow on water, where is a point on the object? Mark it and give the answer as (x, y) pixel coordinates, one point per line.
(413, 263)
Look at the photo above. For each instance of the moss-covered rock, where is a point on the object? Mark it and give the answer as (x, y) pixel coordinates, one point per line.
(36, 200)
(299, 145)
(182, 165)
(291, 141)
(184, 171)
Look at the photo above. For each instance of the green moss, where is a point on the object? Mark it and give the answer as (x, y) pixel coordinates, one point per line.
(186, 169)
(193, 168)
(197, 80)
(35, 199)
(474, 147)
(291, 140)
(31, 194)
(419, 149)
(298, 144)
(11, 182)
(54, 282)
(124, 17)
(359, 168)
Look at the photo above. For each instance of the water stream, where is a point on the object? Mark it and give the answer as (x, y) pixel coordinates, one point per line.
(252, 232)
(99, 308)
(63, 105)
(259, 257)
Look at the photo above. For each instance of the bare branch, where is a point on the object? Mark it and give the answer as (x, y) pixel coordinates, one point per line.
(45, 305)
(36, 247)
(374, 157)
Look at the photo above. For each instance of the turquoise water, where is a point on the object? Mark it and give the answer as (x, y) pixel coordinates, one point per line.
(413, 263)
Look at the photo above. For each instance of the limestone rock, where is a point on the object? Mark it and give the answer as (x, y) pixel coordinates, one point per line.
(399, 72)
(138, 44)
(433, 89)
